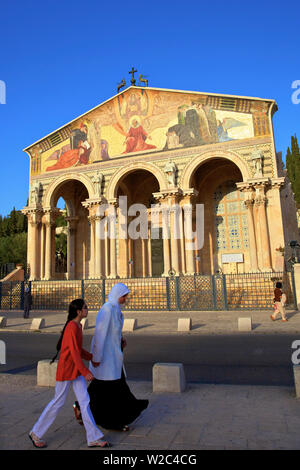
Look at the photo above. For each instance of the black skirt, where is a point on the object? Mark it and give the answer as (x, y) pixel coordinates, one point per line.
(112, 403)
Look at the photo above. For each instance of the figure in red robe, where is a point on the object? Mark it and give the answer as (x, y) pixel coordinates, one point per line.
(74, 156)
(136, 137)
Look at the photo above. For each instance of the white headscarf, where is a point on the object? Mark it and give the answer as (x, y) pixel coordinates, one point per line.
(117, 291)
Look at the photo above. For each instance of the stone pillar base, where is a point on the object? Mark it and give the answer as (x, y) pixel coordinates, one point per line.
(168, 377)
(46, 373)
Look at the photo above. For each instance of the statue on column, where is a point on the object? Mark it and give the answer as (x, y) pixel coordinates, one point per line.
(35, 193)
(97, 181)
(257, 159)
(171, 169)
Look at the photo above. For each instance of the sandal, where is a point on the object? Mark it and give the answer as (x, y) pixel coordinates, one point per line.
(77, 413)
(99, 443)
(36, 441)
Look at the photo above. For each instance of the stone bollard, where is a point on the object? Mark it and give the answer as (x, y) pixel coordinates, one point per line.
(84, 323)
(129, 324)
(168, 377)
(184, 324)
(3, 321)
(46, 373)
(245, 324)
(37, 324)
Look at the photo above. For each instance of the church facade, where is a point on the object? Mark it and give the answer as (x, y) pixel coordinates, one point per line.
(157, 147)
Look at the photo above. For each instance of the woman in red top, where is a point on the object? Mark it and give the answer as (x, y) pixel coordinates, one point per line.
(70, 370)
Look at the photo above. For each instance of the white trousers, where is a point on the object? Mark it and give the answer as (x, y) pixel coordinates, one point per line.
(51, 411)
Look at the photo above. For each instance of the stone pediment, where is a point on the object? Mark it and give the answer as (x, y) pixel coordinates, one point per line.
(144, 120)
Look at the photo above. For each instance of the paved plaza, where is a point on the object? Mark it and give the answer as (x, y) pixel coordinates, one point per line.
(204, 416)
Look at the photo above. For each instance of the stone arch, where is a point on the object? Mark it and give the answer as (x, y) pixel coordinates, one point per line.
(120, 173)
(191, 167)
(48, 199)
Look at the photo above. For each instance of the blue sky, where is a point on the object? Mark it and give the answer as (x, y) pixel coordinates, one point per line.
(61, 58)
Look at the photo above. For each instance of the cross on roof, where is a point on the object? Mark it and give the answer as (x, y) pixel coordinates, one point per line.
(132, 71)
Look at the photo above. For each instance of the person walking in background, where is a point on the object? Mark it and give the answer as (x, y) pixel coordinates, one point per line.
(279, 302)
(112, 403)
(70, 370)
(27, 302)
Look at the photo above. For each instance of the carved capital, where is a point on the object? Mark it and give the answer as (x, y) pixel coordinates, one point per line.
(260, 201)
(89, 203)
(278, 183)
(72, 223)
(171, 196)
(249, 203)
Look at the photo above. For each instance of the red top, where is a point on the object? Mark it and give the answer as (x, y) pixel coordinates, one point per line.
(277, 294)
(70, 364)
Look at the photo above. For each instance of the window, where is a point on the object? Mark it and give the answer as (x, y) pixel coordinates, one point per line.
(230, 218)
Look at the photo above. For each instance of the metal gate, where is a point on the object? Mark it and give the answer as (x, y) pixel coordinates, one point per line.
(187, 293)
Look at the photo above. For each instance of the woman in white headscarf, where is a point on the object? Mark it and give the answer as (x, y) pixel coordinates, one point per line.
(111, 401)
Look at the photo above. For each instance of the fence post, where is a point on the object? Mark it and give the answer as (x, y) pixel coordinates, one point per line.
(22, 296)
(294, 288)
(224, 291)
(177, 292)
(168, 293)
(103, 291)
(82, 288)
(10, 294)
(214, 294)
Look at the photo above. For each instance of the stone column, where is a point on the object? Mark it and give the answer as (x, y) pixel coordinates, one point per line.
(189, 254)
(174, 238)
(48, 247)
(92, 247)
(71, 268)
(98, 248)
(42, 262)
(182, 245)
(187, 203)
(165, 224)
(249, 203)
(169, 205)
(167, 257)
(34, 241)
(144, 256)
(107, 251)
(149, 249)
(260, 202)
(111, 217)
(297, 283)
(113, 260)
(34, 215)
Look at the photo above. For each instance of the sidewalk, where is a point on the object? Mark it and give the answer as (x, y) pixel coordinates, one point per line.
(203, 417)
(165, 322)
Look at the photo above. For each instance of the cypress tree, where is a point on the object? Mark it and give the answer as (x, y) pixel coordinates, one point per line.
(293, 167)
(290, 166)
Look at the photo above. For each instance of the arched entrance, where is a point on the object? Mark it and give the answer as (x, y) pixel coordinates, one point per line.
(73, 192)
(226, 238)
(139, 256)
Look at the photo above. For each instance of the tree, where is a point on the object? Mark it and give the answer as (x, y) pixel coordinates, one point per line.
(293, 167)
(13, 238)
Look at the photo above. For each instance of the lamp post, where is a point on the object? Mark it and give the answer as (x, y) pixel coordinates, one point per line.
(295, 251)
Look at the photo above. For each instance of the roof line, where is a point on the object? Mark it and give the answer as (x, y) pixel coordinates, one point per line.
(147, 88)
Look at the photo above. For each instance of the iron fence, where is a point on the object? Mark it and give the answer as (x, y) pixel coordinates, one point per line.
(6, 269)
(187, 293)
